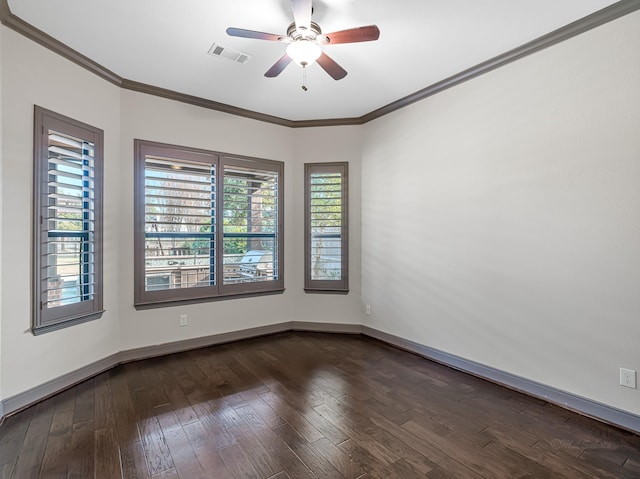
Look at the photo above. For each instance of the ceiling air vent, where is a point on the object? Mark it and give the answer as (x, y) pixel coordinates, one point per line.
(228, 53)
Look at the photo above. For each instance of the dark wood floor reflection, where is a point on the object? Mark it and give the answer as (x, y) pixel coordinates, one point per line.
(305, 405)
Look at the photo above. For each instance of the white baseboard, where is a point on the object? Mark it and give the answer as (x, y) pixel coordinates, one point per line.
(587, 407)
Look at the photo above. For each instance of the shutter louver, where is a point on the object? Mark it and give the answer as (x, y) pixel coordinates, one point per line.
(179, 224)
(68, 270)
(206, 225)
(326, 221)
(250, 225)
(326, 267)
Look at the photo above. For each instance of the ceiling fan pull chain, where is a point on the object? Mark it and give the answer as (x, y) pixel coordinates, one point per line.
(304, 78)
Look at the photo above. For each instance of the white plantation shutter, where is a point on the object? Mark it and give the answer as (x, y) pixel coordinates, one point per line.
(326, 227)
(68, 179)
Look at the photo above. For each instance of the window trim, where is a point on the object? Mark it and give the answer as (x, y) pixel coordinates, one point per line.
(340, 286)
(144, 299)
(83, 311)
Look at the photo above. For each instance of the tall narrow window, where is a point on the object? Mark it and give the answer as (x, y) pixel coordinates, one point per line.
(207, 225)
(326, 227)
(67, 222)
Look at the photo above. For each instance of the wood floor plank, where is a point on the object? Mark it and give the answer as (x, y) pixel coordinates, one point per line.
(13, 430)
(275, 446)
(280, 475)
(124, 413)
(325, 427)
(315, 461)
(6, 470)
(84, 406)
(380, 434)
(304, 405)
(81, 456)
(269, 415)
(29, 461)
(262, 460)
(632, 465)
(338, 458)
(134, 465)
(238, 463)
(182, 454)
(104, 416)
(360, 432)
(154, 445)
(404, 470)
(107, 460)
(177, 398)
(54, 463)
(206, 451)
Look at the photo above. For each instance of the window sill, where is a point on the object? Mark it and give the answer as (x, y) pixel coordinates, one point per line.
(180, 302)
(326, 291)
(47, 328)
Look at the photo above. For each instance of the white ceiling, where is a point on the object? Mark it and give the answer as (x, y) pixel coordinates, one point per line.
(164, 43)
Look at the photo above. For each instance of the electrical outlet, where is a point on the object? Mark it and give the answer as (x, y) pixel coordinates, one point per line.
(367, 309)
(628, 378)
(184, 320)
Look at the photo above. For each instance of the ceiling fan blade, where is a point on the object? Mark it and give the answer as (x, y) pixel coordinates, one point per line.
(331, 67)
(301, 13)
(352, 35)
(241, 32)
(278, 66)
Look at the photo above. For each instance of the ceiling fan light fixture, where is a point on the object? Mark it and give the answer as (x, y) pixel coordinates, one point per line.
(304, 52)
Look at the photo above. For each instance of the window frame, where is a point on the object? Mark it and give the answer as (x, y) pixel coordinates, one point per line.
(144, 299)
(46, 320)
(339, 286)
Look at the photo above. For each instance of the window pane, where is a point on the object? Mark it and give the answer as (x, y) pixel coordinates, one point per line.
(326, 226)
(67, 222)
(206, 225)
(179, 249)
(250, 211)
(68, 271)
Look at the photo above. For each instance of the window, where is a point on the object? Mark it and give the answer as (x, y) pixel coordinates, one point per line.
(67, 222)
(207, 225)
(326, 227)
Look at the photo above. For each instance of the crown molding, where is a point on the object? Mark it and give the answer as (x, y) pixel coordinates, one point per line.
(607, 14)
(202, 102)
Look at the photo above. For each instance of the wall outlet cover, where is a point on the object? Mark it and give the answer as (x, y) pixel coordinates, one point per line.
(628, 378)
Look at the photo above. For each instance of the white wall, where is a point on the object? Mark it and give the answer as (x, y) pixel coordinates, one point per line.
(150, 118)
(501, 218)
(32, 75)
(1, 203)
(312, 145)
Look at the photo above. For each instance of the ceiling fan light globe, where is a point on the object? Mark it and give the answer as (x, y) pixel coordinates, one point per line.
(304, 52)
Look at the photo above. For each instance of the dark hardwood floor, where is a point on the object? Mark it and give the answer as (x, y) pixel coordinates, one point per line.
(305, 405)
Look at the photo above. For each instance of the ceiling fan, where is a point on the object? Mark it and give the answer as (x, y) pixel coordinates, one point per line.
(305, 39)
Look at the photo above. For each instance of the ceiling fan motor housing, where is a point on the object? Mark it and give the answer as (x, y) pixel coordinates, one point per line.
(298, 34)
